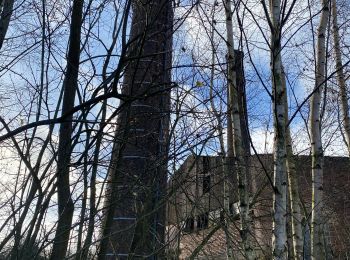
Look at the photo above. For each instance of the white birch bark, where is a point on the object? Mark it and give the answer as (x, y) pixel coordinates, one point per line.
(317, 241)
(243, 191)
(293, 187)
(279, 237)
(340, 76)
(297, 234)
(225, 168)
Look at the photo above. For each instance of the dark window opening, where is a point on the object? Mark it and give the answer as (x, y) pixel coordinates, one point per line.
(222, 216)
(189, 225)
(206, 184)
(231, 209)
(203, 221)
(206, 164)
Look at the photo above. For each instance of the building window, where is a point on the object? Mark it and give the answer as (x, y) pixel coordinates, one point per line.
(203, 221)
(189, 225)
(206, 184)
(222, 216)
(206, 164)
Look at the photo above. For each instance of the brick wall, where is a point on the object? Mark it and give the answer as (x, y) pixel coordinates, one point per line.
(336, 201)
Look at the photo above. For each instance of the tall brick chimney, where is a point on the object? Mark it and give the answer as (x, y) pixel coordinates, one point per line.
(135, 211)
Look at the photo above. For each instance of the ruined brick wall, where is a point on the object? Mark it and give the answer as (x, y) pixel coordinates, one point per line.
(336, 197)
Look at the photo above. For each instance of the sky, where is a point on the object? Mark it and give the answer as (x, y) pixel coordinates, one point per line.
(194, 38)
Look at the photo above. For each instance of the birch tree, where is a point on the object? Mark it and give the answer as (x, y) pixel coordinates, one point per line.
(279, 237)
(243, 191)
(293, 187)
(317, 241)
(225, 157)
(340, 75)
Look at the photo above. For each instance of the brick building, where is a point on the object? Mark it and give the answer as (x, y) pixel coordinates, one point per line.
(195, 208)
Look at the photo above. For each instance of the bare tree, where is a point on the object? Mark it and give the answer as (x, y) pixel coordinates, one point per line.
(65, 202)
(318, 246)
(340, 75)
(279, 239)
(99, 111)
(235, 114)
(293, 188)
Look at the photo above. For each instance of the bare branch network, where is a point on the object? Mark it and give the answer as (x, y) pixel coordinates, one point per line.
(160, 129)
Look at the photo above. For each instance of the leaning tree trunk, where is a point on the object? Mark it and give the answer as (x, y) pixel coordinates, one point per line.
(70, 83)
(242, 171)
(279, 238)
(135, 207)
(317, 241)
(341, 76)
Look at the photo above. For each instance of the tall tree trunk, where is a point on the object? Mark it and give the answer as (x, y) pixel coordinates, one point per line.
(340, 76)
(84, 197)
(294, 199)
(228, 180)
(243, 191)
(5, 19)
(137, 176)
(317, 241)
(279, 238)
(225, 160)
(70, 83)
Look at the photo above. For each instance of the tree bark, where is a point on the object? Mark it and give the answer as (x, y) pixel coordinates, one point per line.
(242, 171)
(340, 76)
(5, 19)
(294, 199)
(317, 241)
(225, 160)
(279, 238)
(70, 84)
